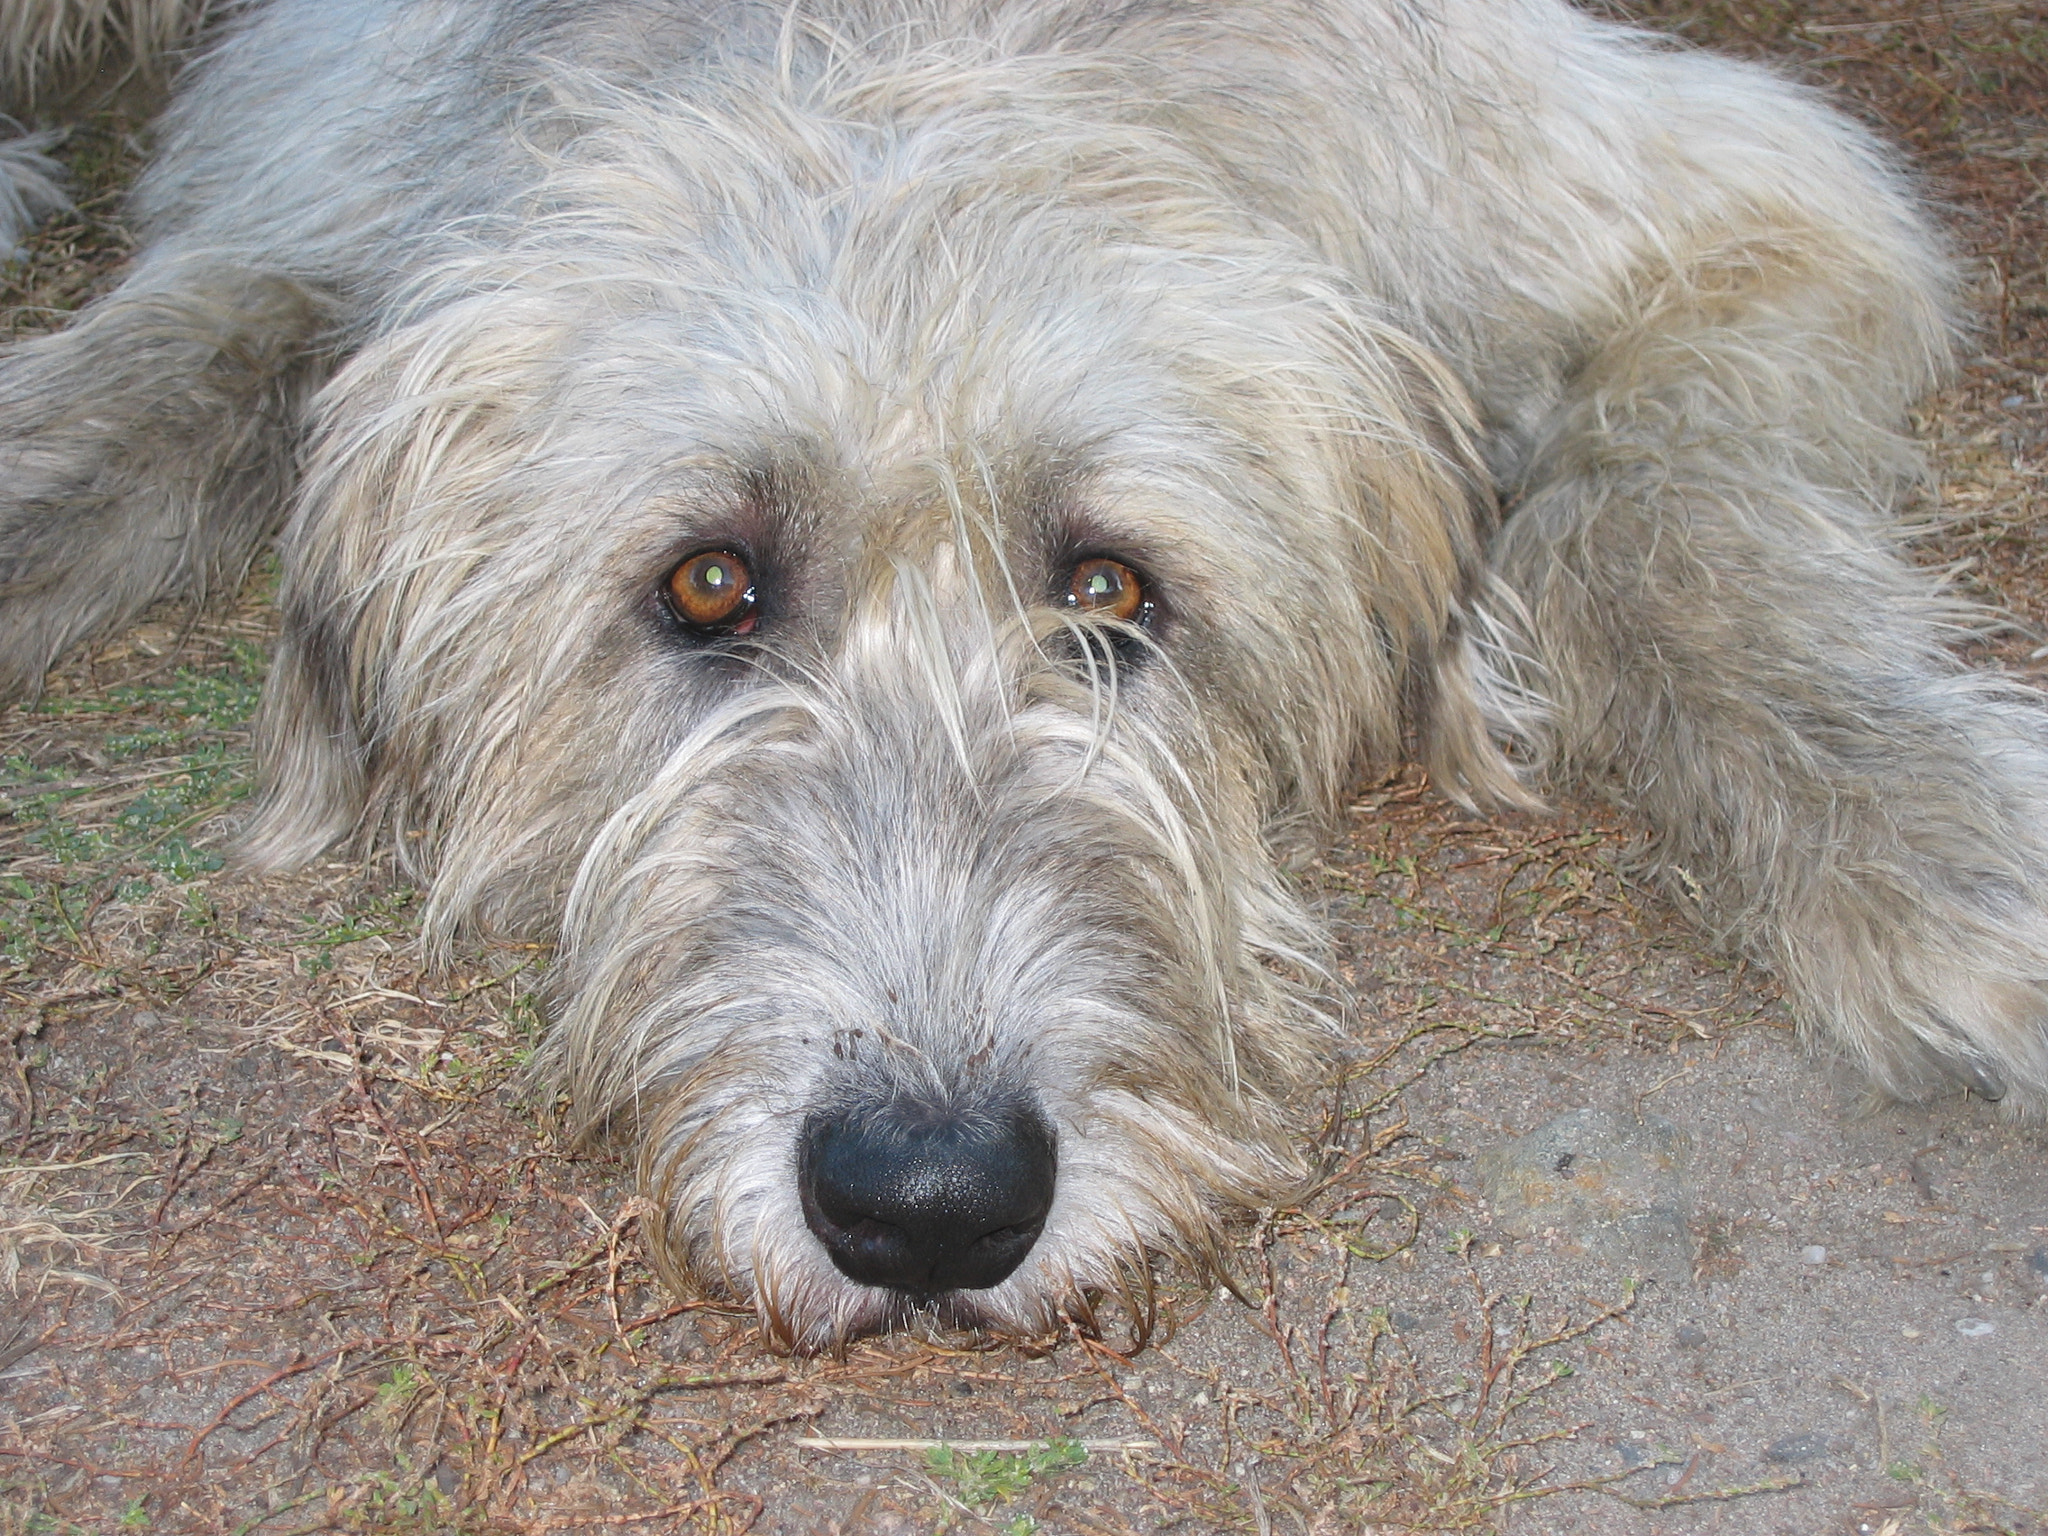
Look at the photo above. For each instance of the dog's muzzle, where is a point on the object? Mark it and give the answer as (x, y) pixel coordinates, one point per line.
(923, 1200)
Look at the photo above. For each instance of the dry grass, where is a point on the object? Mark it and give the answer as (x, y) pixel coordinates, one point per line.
(77, 254)
(286, 1245)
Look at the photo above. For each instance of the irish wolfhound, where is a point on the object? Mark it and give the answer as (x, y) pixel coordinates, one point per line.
(883, 525)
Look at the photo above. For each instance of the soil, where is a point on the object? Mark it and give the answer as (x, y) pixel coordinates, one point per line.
(288, 1244)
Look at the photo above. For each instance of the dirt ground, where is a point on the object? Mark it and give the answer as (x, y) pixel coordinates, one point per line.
(286, 1246)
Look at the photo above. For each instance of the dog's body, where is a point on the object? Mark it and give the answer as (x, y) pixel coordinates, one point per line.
(1105, 408)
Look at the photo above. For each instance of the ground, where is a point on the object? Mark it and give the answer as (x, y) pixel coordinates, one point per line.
(288, 1245)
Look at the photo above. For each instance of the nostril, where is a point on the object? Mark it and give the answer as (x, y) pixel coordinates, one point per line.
(923, 1200)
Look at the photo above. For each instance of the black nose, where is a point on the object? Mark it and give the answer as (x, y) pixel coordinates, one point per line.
(926, 1200)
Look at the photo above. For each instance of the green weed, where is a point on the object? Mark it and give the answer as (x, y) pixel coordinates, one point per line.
(382, 917)
(84, 835)
(983, 1479)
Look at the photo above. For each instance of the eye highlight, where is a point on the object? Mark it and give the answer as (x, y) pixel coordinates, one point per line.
(712, 593)
(1108, 588)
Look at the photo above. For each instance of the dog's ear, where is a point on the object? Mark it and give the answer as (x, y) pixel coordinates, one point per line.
(1479, 707)
(1470, 689)
(314, 740)
(310, 746)
(408, 443)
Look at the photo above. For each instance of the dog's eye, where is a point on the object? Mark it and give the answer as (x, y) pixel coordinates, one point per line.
(1108, 588)
(713, 593)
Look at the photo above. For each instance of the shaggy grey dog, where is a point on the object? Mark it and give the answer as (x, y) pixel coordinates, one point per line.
(883, 524)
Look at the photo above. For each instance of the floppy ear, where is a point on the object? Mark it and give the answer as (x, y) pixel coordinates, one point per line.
(407, 441)
(1472, 689)
(1481, 698)
(315, 734)
(311, 751)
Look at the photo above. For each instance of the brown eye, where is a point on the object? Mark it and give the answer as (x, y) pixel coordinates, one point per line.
(714, 592)
(1109, 588)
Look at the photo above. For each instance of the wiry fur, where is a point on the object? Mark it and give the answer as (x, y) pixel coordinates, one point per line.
(919, 302)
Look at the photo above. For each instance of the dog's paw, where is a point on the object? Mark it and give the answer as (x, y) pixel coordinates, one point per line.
(1951, 1024)
(1930, 1001)
(1917, 936)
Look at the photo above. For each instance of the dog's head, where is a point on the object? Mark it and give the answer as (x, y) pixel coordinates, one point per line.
(887, 587)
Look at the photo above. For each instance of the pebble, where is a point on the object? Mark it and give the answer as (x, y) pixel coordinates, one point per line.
(1805, 1446)
(1691, 1336)
(1973, 1327)
(1609, 1186)
(2013, 402)
(1814, 1255)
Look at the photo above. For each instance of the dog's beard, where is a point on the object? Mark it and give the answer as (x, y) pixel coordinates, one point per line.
(954, 883)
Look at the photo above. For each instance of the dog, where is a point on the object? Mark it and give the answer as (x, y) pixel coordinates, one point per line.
(886, 527)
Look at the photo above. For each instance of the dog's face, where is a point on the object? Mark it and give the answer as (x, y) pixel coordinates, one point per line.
(888, 618)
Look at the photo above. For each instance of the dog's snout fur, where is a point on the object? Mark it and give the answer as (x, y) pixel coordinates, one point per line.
(950, 859)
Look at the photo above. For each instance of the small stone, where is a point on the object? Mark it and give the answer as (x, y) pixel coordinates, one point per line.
(1612, 1187)
(1691, 1336)
(1795, 1448)
(1813, 1255)
(1973, 1327)
(2013, 402)
(1911, 1333)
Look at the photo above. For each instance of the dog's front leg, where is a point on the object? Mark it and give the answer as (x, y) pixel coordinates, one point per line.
(146, 450)
(1738, 647)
